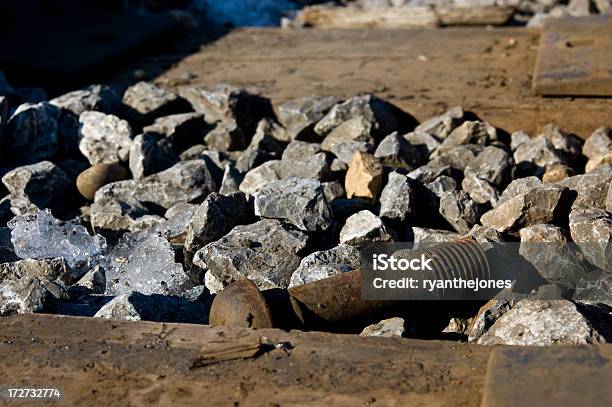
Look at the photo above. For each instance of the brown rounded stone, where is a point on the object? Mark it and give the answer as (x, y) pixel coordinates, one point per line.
(95, 177)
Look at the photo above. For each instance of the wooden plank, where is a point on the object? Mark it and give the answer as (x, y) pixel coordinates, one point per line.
(354, 17)
(401, 17)
(575, 58)
(487, 71)
(551, 376)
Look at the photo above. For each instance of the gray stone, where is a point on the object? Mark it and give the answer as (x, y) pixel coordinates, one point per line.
(259, 176)
(28, 286)
(348, 137)
(38, 235)
(174, 229)
(441, 184)
(184, 129)
(565, 144)
(299, 116)
(214, 218)
(225, 102)
(395, 152)
(7, 251)
(457, 326)
(425, 143)
(126, 214)
(306, 160)
(226, 136)
(105, 138)
(32, 134)
(429, 172)
(299, 201)
(548, 250)
(425, 236)
(519, 186)
(212, 283)
(542, 204)
(489, 313)
(493, 165)
(543, 323)
(333, 190)
(441, 126)
(609, 198)
(535, 154)
(599, 143)
(146, 101)
(263, 147)
(363, 227)
(480, 190)
(144, 262)
(459, 210)
(193, 152)
(266, 252)
(101, 98)
(387, 328)
(470, 132)
(457, 157)
(150, 153)
(42, 185)
(591, 229)
(397, 198)
(598, 161)
(323, 264)
(483, 234)
(589, 190)
(94, 281)
(186, 181)
(377, 112)
(231, 180)
(134, 306)
(517, 138)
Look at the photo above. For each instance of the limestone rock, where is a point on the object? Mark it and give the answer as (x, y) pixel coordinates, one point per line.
(186, 181)
(95, 177)
(457, 157)
(299, 201)
(441, 126)
(597, 161)
(426, 236)
(323, 264)
(146, 101)
(517, 138)
(424, 143)
(480, 190)
(429, 172)
(591, 229)
(542, 204)
(460, 210)
(105, 138)
(557, 172)
(263, 147)
(214, 218)
(226, 136)
(589, 190)
(519, 186)
(94, 281)
(363, 227)
(567, 145)
(150, 153)
(470, 132)
(599, 143)
(333, 190)
(397, 198)
(299, 116)
(42, 185)
(387, 328)
(266, 252)
(259, 176)
(534, 155)
(493, 165)
(543, 323)
(125, 214)
(364, 177)
(231, 180)
(32, 134)
(101, 98)
(395, 152)
(376, 111)
(301, 159)
(183, 130)
(349, 137)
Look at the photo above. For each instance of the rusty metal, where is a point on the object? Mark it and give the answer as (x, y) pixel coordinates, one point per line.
(241, 304)
(335, 303)
(574, 57)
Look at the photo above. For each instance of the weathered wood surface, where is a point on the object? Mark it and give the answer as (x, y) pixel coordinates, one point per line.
(487, 71)
(103, 362)
(575, 58)
(402, 17)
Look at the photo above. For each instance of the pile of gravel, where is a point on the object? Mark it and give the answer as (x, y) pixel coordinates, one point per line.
(142, 205)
